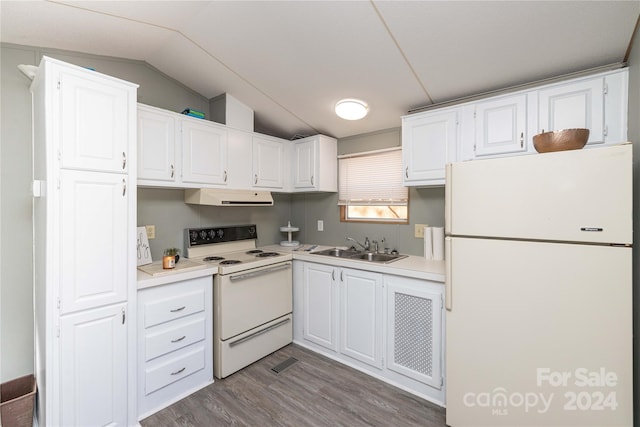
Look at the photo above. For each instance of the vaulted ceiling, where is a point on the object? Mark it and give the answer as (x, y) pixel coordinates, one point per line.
(291, 61)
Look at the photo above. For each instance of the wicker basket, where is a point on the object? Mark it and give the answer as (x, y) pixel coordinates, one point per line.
(16, 404)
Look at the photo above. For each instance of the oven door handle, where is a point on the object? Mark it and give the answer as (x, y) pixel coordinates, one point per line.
(260, 332)
(259, 272)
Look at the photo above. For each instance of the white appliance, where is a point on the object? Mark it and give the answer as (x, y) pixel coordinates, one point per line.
(226, 197)
(539, 290)
(252, 295)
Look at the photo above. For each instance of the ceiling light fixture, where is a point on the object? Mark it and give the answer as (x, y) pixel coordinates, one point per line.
(351, 109)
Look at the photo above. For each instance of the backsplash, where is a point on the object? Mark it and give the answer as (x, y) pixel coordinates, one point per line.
(165, 208)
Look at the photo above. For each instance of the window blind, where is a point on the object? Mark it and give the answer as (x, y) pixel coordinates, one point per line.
(372, 179)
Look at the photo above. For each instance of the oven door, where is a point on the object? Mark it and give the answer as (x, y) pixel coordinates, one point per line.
(250, 298)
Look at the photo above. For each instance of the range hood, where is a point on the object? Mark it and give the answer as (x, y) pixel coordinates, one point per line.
(221, 197)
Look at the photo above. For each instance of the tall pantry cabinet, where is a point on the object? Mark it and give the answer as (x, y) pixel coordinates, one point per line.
(84, 167)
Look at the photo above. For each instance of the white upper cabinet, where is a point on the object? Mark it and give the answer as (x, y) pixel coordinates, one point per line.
(504, 125)
(204, 152)
(616, 102)
(268, 162)
(501, 126)
(156, 145)
(315, 164)
(429, 142)
(93, 116)
(574, 105)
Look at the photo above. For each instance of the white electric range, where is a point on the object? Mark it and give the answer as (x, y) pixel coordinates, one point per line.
(252, 294)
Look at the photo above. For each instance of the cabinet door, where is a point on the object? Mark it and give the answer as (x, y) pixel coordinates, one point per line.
(93, 367)
(428, 142)
(361, 320)
(268, 163)
(156, 146)
(204, 153)
(304, 164)
(320, 305)
(414, 329)
(95, 117)
(574, 105)
(501, 126)
(93, 239)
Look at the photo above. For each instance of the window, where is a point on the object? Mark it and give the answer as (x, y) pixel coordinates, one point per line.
(371, 188)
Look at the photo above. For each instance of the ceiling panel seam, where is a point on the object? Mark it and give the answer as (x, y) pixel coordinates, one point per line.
(404, 56)
(192, 41)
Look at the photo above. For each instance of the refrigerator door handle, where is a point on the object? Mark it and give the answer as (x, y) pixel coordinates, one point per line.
(448, 302)
(447, 199)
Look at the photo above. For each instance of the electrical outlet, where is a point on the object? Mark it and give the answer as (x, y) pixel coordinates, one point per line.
(320, 225)
(151, 231)
(419, 230)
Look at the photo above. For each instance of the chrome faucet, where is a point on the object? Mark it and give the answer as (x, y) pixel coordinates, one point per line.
(366, 245)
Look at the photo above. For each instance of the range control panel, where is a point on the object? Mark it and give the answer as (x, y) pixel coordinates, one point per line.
(211, 235)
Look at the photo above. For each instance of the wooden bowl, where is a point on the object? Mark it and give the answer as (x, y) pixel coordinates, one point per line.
(561, 140)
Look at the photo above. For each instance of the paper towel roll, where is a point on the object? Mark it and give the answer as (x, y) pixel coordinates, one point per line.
(428, 243)
(437, 235)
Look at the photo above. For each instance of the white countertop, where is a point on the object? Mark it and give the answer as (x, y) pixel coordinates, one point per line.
(412, 266)
(189, 271)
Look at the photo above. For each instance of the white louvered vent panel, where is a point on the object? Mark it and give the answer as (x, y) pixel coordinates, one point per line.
(413, 333)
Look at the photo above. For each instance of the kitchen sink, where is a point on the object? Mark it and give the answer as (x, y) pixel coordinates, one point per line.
(359, 255)
(336, 252)
(383, 258)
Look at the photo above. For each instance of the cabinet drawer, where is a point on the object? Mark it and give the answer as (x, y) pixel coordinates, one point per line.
(174, 369)
(174, 307)
(177, 335)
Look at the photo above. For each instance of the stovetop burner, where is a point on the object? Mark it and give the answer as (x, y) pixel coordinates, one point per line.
(213, 258)
(254, 251)
(267, 254)
(230, 262)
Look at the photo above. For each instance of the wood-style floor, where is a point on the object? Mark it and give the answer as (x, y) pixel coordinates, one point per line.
(315, 391)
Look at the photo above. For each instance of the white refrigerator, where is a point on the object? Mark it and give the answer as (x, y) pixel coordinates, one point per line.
(539, 290)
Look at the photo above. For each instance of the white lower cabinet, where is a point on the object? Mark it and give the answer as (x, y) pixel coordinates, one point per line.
(361, 316)
(387, 326)
(175, 342)
(320, 314)
(415, 329)
(93, 371)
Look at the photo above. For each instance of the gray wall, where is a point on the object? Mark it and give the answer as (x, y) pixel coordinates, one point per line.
(167, 211)
(163, 208)
(634, 135)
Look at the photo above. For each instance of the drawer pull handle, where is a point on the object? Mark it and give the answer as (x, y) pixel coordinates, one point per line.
(175, 310)
(179, 371)
(179, 339)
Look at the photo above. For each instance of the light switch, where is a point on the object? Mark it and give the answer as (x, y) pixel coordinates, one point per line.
(419, 231)
(320, 225)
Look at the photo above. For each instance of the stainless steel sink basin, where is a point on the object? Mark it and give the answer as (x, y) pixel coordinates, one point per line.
(383, 258)
(359, 255)
(336, 252)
